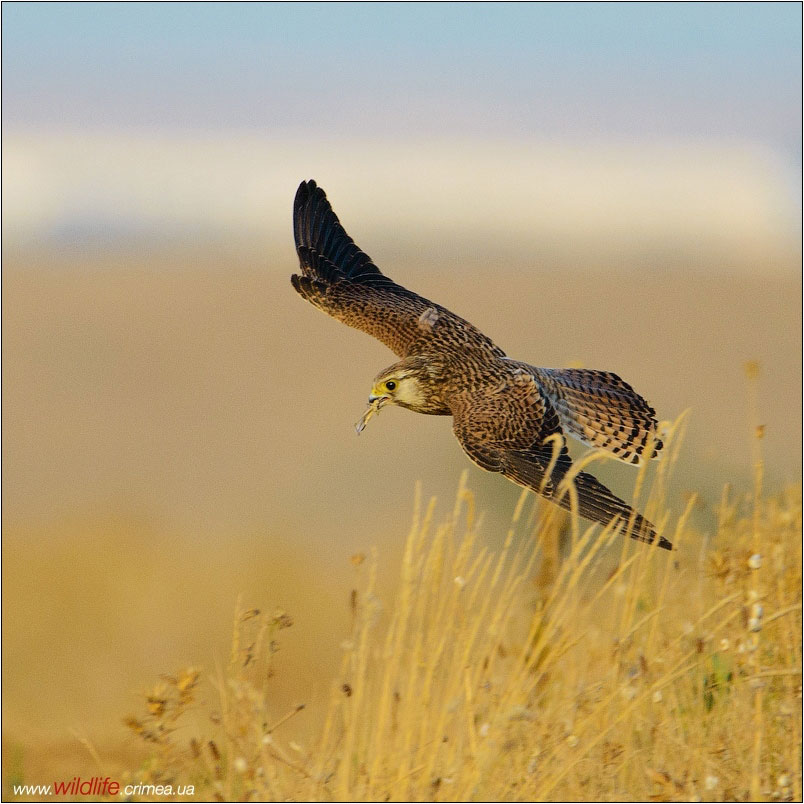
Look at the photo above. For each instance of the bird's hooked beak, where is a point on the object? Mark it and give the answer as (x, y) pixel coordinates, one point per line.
(375, 403)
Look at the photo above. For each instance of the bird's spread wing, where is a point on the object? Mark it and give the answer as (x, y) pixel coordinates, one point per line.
(340, 279)
(509, 431)
(601, 410)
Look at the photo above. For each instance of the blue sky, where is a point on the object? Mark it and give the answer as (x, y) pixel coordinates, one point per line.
(679, 120)
(572, 71)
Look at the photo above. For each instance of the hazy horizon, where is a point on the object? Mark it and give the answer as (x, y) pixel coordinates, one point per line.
(525, 202)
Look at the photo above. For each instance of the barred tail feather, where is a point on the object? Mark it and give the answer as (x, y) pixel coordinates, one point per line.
(602, 411)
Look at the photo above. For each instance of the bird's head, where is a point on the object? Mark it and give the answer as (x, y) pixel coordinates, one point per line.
(399, 385)
(406, 384)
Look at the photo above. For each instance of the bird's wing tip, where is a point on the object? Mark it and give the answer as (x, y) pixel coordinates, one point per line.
(665, 544)
(304, 191)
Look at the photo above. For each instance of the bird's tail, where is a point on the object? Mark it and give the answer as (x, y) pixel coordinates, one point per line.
(602, 410)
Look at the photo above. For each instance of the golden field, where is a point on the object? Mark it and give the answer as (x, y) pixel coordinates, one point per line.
(531, 673)
(179, 437)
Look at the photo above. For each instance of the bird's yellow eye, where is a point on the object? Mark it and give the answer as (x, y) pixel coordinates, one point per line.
(390, 385)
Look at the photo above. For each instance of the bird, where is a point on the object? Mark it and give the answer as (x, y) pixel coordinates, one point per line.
(510, 417)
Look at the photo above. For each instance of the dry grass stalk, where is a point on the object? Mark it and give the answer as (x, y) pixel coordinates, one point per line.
(627, 678)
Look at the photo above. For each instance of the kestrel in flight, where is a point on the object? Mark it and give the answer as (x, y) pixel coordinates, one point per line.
(504, 411)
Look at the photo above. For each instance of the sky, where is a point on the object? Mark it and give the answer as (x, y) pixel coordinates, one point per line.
(630, 70)
(83, 79)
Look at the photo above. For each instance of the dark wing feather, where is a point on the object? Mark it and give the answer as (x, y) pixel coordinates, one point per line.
(523, 454)
(595, 501)
(340, 279)
(316, 228)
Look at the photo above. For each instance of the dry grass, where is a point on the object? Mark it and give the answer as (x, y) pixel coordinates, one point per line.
(570, 665)
(163, 439)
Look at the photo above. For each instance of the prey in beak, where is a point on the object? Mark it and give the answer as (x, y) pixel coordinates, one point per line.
(375, 404)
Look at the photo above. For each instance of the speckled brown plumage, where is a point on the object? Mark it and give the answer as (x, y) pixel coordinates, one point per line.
(504, 411)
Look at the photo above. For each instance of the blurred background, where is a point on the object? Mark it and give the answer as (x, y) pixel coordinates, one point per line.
(615, 186)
